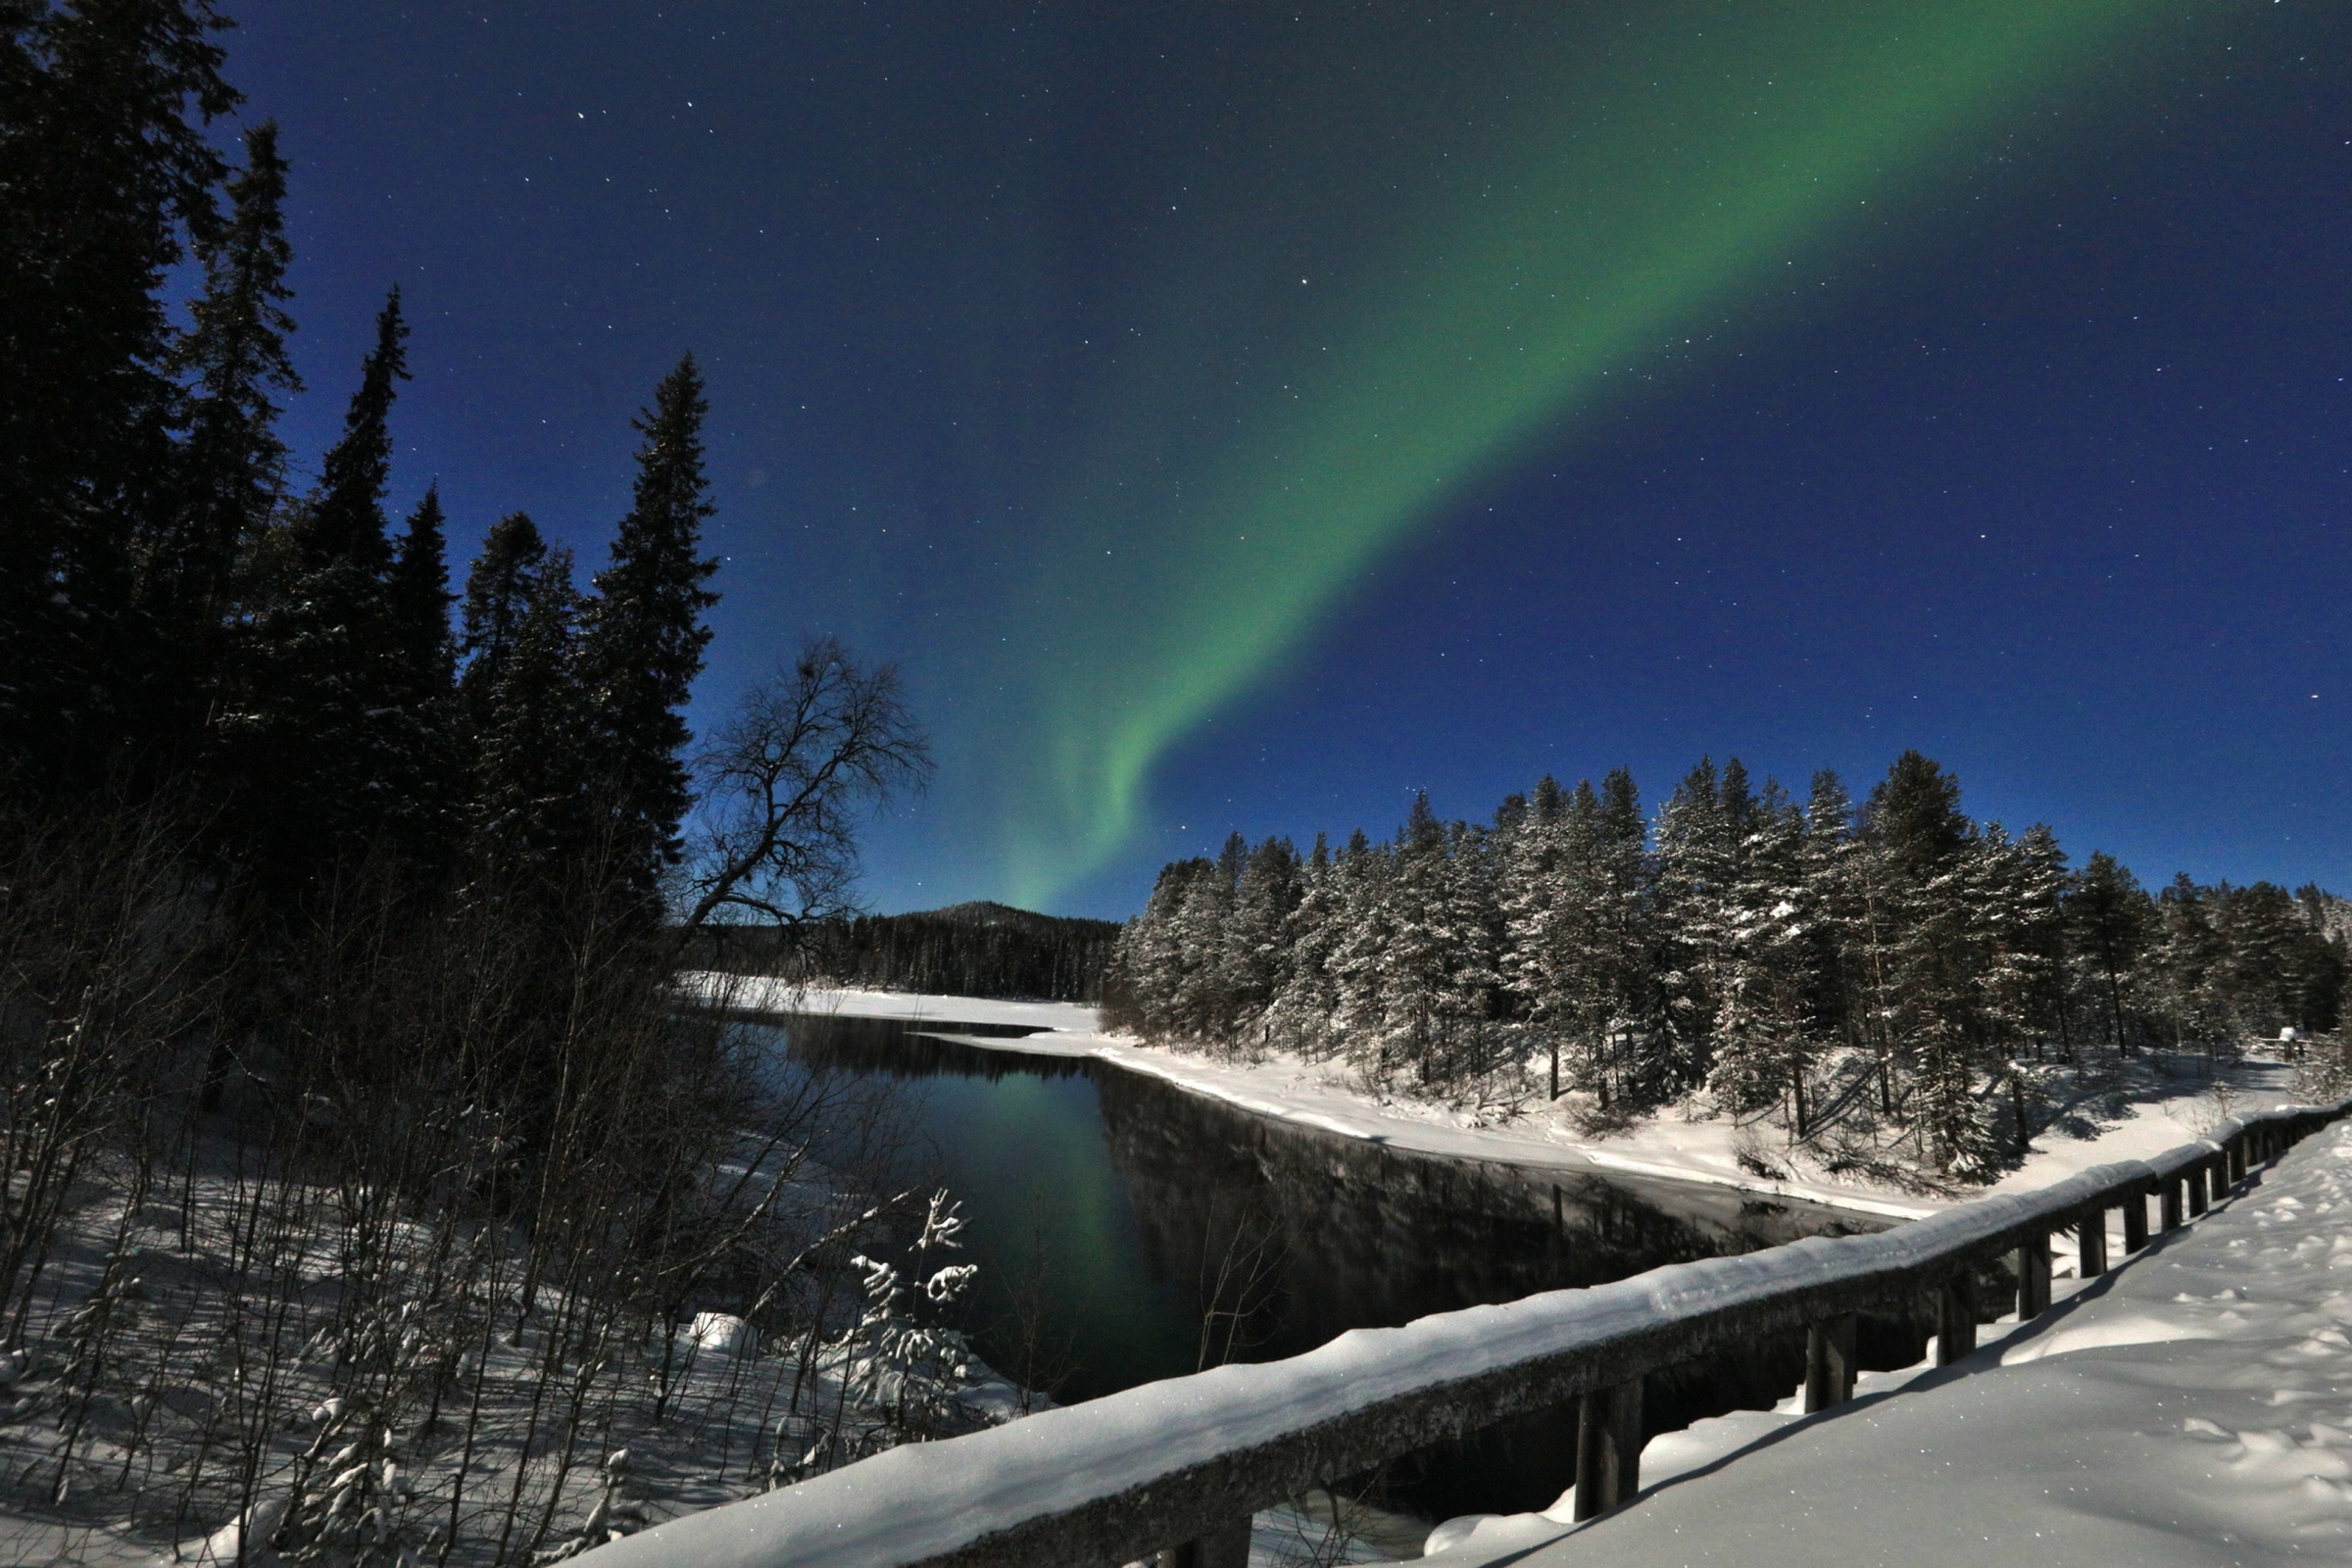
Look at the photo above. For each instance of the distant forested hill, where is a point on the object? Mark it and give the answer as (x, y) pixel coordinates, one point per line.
(966, 950)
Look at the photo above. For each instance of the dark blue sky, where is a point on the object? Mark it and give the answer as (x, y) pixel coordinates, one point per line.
(2046, 471)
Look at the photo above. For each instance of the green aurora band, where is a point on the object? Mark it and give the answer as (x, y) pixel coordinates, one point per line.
(1224, 511)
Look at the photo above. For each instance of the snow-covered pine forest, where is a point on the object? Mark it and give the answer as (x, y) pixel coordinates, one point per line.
(1894, 988)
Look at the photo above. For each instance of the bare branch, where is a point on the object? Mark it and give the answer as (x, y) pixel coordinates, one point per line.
(788, 780)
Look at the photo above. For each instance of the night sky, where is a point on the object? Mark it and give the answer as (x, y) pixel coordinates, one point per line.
(1239, 416)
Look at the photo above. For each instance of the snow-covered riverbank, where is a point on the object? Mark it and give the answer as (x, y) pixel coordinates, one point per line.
(2154, 1115)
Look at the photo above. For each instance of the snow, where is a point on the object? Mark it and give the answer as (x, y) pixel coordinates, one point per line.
(2191, 1407)
(729, 1420)
(1318, 1096)
(722, 1334)
(935, 1498)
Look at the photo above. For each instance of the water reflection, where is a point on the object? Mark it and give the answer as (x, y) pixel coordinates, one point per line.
(1112, 1214)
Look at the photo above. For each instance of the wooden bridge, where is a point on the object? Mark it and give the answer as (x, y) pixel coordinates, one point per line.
(1177, 1468)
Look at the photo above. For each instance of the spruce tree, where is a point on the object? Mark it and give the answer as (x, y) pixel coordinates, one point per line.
(423, 672)
(2107, 920)
(1762, 1042)
(331, 743)
(1530, 873)
(2192, 960)
(1257, 938)
(1927, 953)
(1698, 850)
(1302, 1009)
(419, 597)
(235, 357)
(1418, 949)
(107, 175)
(1915, 819)
(1624, 1000)
(345, 521)
(1831, 903)
(499, 591)
(231, 464)
(646, 634)
(1359, 966)
(1469, 930)
(528, 787)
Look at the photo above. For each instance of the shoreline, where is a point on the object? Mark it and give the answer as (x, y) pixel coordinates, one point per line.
(1660, 1148)
(1492, 1145)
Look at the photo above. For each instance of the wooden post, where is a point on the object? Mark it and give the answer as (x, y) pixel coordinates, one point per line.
(1609, 1448)
(2238, 1158)
(2194, 1177)
(1226, 1546)
(2091, 1244)
(2171, 1205)
(1830, 1362)
(2033, 1276)
(1955, 1319)
(2136, 1221)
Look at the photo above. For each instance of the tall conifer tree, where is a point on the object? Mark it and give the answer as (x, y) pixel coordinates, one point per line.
(346, 520)
(528, 790)
(499, 591)
(235, 358)
(331, 743)
(424, 674)
(419, 597)
(108, 174)
(646, 634)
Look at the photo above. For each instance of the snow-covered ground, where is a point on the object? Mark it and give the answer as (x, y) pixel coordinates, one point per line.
(2191, 1407)
(705, 1419)
(2155, 1117)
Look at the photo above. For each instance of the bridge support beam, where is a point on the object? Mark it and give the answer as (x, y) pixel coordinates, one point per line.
(2034, 1276)
(2090, 1245)
(1830, 1362)
(1608, 1447)
(1955, 1319)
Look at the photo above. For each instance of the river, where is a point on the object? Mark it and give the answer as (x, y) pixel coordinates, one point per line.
(1113, 1215)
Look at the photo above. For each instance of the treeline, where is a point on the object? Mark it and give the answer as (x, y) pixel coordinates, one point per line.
(176, 616)
(1806, 959)
(345, 908)
(966, 950)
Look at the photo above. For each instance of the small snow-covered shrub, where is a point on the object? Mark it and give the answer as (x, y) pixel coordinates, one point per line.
(903, 1362)
(1753, 1154)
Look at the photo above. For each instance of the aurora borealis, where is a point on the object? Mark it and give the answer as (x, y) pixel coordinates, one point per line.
(1126, 376)
(1670, 180)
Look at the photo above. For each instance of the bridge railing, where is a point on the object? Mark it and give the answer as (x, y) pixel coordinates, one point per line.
(1177, 1468)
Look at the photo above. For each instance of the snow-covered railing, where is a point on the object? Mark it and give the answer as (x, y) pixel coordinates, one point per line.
(1179, 1467)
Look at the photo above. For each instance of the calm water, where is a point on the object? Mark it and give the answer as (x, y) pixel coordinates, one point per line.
(1112, 1213)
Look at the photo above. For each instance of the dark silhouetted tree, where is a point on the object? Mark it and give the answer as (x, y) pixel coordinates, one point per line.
(105, 174)
(645, 637)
